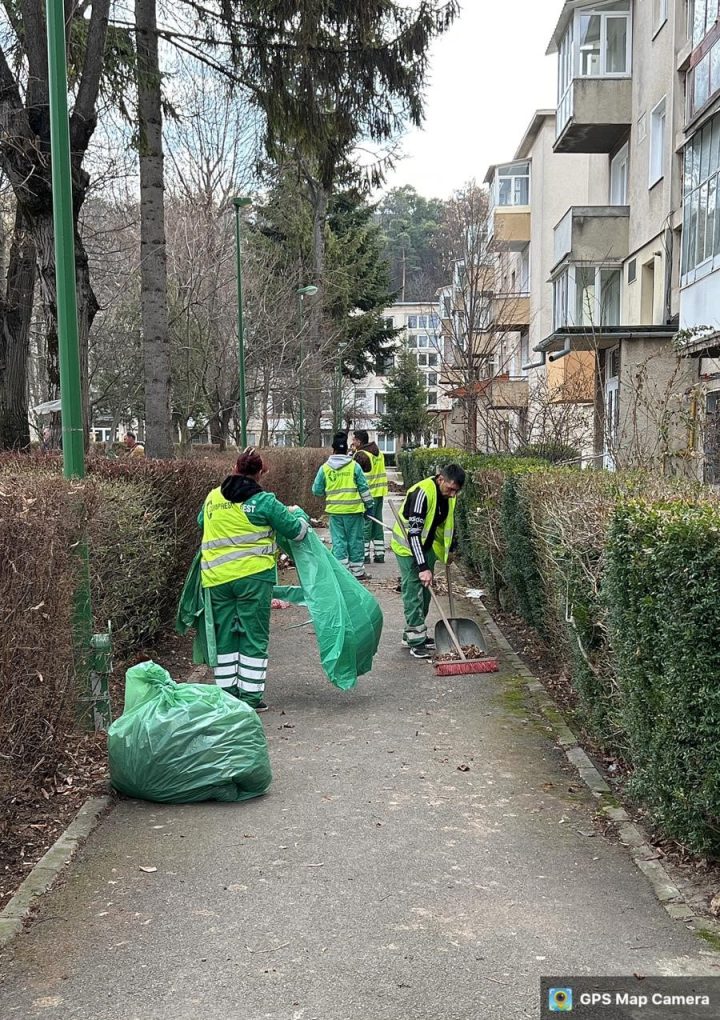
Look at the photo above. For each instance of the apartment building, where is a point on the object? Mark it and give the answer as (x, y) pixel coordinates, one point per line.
(616, 280)
(529, 195)
(699, 60)
(361, 403)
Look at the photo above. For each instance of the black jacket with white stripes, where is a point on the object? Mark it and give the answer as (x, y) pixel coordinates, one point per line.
(415, 511)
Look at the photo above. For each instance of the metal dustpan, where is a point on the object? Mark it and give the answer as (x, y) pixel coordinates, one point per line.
(467, 631)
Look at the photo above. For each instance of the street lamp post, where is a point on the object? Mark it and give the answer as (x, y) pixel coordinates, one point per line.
(240, 203)
(338, 383)
(302, 292)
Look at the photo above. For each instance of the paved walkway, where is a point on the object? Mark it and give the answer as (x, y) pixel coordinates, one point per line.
(423, 853)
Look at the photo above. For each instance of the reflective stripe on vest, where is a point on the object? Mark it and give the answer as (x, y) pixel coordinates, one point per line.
(233, 547)
(341, 492)
(443, 536)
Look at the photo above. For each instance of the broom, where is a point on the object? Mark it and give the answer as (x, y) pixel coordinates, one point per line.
(464, 666)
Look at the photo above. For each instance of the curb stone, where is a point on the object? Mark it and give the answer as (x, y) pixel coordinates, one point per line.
(642, 852)
(47, 869)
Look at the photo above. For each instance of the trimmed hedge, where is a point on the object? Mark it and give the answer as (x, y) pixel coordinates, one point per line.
(141, 521)
(620, 573)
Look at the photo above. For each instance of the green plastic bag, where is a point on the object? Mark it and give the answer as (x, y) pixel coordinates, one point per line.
(346, 617)
(182, 743)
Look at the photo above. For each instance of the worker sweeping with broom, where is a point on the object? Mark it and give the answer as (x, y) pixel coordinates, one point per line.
(342, 482)
(424, 534)
(239, 521)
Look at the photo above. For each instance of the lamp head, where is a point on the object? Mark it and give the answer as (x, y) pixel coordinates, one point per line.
(307, 291)
(240, 203)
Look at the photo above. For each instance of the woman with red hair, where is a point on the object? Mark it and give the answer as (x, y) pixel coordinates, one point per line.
(239, 521)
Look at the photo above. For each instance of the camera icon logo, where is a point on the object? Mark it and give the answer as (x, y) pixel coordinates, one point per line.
(560, 1000)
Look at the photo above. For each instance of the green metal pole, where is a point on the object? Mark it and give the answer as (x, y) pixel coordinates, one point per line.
(69, 348)
(239, 203)
(301, 408)
(68, 341)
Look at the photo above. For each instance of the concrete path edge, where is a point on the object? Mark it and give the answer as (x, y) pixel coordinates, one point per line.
(631, 835)
(49, 867)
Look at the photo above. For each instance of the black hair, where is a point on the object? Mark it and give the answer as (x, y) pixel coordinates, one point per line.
(130, 435)
(340, 443)
(453, 473)
(362, 435)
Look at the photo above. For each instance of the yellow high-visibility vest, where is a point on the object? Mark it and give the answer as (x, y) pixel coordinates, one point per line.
(232, 546)
(443, 536)
(341, 491)
(377, 479)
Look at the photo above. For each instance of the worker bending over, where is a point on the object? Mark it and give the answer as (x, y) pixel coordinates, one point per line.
(427, 535)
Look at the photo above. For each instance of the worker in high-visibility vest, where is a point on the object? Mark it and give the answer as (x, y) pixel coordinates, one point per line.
(428, 516)
(344, 485)
(378, 482)
(238, 565)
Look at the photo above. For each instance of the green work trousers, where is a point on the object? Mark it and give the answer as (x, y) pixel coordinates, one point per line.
(241, 611)
(416, 598)
(375, 534)
(347, 535)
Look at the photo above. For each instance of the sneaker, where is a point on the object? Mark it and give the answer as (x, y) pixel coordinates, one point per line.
(429, 644)
(378, 559)
(363, 577)
(262, 707)
(420, 652)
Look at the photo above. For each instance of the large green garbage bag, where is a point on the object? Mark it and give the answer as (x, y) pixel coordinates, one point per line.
(346, 617)
(182, 743)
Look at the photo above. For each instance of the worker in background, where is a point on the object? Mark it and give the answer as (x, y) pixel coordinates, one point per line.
(428, 516)
(239, 521)
(347, 499)
(377, 480)
(134, 448)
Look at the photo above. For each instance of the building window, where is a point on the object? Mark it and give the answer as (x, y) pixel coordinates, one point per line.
(389, 322)
(703, 15)
(380, 403)
(360, 396)
(632, 270)
(412, 340)
(657, 143)
(422, 359)
(512, 184)
(432, 398)
(386, 442)
(423, 340)
(432, 378)
(432, 360)
(703, 81)
(701, 187)
(384, 364)
(660, 13)
(587, 296)
(619, 177)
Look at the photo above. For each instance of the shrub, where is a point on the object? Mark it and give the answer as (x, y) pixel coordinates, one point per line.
(663, 582)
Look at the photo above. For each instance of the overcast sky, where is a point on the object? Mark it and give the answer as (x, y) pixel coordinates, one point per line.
(489, 75)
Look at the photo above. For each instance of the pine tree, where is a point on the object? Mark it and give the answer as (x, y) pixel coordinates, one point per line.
(406, 413)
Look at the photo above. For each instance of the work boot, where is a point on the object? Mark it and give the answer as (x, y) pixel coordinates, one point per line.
(379, 559)
(262, 707)
(363, 577)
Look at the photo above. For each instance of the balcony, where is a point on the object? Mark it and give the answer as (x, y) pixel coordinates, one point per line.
(594, 115)
(507, 394)
(594, 47)
(593, 234)
(509, 228)
(510, 312)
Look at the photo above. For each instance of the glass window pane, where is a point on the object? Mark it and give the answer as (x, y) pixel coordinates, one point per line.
(610, 297)
(412, 321)
(699, 12)
(716, 242)
(705, 141)
(701, 82)
(585, 296)
(711, 213)
(712, 13)
(714, 68)
(695, 163)
(616, 45)
(589, 44)
(504, 192)
(701, 223)
(685, 237)
(691, 221)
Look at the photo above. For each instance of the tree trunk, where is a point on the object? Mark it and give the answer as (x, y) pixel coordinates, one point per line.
(43, 232)
(314, 368)
(153, 258)
(15, 317)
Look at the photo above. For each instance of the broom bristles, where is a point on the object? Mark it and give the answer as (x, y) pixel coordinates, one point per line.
(472, 666)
